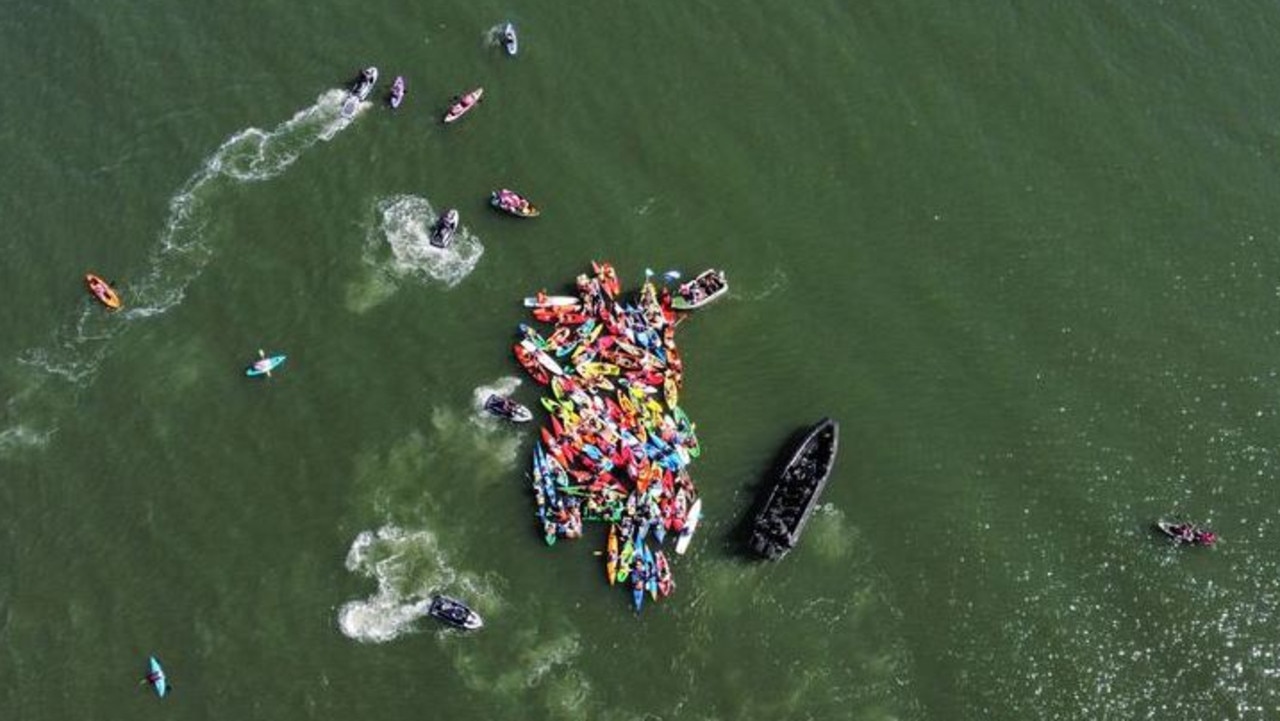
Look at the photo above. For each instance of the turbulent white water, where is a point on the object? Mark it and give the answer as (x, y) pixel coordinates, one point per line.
(404, 229)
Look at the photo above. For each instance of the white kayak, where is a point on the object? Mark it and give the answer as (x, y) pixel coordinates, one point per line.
(690, 525)
(546, 361)
(542, 300)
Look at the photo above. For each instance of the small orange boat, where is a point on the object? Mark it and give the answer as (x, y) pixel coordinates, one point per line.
(101, 290)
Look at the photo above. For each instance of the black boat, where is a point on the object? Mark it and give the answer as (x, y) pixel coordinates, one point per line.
(504, 407)
(454, 612)
(794, 493)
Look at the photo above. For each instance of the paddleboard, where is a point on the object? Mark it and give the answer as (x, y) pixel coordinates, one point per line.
(264, 366)
(690, 525)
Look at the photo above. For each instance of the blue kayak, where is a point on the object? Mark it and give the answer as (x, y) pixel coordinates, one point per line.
(263, 366)
(157, 679)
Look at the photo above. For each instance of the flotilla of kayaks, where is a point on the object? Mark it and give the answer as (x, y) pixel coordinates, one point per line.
(616, 448)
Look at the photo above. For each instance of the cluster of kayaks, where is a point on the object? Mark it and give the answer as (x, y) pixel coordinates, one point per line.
(617, 445)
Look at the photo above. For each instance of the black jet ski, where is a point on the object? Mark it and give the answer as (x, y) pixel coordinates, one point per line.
(504, 407)
(454, 612)
(360, 91)
(1183, 533)
(441, 235)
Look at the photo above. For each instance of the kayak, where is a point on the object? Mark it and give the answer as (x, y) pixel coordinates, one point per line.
(463, 105)
(264, 365)
(1186, 533)
(509, 40)
(156, 677)
(360, 91)
(690, 525)
(611, 565)
(512, 202)
(103, 292)
(397, 92)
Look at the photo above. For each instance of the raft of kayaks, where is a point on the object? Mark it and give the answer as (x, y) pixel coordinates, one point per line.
(616, 447)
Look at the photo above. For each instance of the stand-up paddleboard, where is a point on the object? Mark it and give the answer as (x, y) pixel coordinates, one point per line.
(690, 525)
(156, 678)
(264, 365)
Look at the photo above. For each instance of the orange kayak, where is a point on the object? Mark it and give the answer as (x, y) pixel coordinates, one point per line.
(103, 292)
(611, 566)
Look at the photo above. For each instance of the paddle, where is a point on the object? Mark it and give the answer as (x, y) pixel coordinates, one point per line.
(266, 368)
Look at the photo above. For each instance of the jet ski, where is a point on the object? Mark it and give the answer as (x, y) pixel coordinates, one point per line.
(360, 91)
(504, 407)
(441, 235)
(454, 612)
(509, 41)
(1186, 533)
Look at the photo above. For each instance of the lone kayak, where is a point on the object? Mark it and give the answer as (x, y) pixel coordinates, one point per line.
(397, 92)
(156, 678)
(264, 365)
(509, 201)
(101, 290)
(463, 105)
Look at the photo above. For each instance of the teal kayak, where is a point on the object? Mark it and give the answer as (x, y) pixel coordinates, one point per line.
(263, 366)
(157, 678)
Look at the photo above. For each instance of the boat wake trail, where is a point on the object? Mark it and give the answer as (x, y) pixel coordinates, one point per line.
(252, 155)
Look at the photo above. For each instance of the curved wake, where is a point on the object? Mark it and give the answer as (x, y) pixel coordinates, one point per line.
(251, 155)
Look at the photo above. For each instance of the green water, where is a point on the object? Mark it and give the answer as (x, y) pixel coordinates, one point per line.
(1026, 253)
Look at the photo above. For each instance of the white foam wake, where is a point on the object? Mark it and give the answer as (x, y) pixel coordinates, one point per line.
(404, 229)
(409, 566)
(78, 347)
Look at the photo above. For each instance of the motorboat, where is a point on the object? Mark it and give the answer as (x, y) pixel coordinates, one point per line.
(794, 493)
(708, 286)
